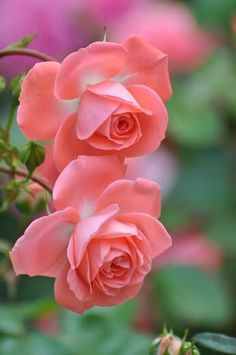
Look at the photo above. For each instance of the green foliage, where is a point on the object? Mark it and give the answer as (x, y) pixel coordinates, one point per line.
(15, 84)
(2, 83)
(220, 15)
(218, 342)
(82, 335)
(23, 43)
(32, 155)
(32, 344)
(190, 296)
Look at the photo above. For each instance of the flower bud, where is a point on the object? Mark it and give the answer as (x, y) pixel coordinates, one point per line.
(169, 344)
(32, 155)
(189, 348)
(166, 345)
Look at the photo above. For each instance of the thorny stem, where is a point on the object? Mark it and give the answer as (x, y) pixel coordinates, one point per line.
(36, 179)
(26, 52)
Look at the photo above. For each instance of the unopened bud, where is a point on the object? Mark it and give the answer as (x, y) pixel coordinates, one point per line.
(189, 348)
(168, 344)
(32, 155)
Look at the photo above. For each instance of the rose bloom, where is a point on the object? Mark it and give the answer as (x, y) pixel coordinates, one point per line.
(161, 166)
(170, 27)
(100, 242)
(193, 249)
(120, 110)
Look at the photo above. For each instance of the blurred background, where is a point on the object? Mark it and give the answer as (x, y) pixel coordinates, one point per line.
(193, 284)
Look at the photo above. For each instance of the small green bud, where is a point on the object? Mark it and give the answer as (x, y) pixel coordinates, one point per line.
(32, 155)
(23, 206)
(189, 348)
(2, 83)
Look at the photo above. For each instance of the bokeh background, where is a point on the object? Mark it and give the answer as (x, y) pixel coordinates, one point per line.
(193, 285)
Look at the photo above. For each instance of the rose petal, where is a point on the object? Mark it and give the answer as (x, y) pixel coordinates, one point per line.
(93, 111)
(64, 296)
(152, 127)
(103, 139)
(152, 229)
(115, 229)
(124, 294)
(43, 246)
(99, 102)
(67, 146)
(83, 180)
(142, 195)
(148, 66)
(98, 62)
(85, 231)
(40, 113)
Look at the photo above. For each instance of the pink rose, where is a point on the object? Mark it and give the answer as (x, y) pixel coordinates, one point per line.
(170, 27)
(100, 242)
(194, 249)
(161, 166)
(120, 110)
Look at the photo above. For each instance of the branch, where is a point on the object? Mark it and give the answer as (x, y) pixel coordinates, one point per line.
(36, 179)
(26, 52)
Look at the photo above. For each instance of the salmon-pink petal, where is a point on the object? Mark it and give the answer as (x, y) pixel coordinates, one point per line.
(194, 250)
(40, 113)
(93, 111)
(98, 62)
(64, 296)
(67, 146)
(85, 231)
(152, 229)
(142, 195)
(148, 66)
(78, 285)
(48, 169)
(115, 229)
(84, 179)
(99, 102)
(124, 294)
(152, 127)
(106, 137)
(115, 91)
(97, 251)
(43, 246)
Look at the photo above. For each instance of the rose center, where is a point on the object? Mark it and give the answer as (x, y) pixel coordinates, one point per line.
(116, 267)
(122, 125)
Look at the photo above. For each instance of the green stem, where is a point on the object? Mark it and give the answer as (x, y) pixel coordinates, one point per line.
(26, 52)
(10, 120)
(9, 171)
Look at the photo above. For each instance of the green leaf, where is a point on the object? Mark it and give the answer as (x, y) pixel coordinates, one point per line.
(222, 229)
(196, 128)
(94, 333)
(32, 344)
(204, 184)
(2, 83)
(9, 226)
(188, 295)
(219, 342)
(15, 84)
(23, 43)
(32, 155)
(10, 323)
